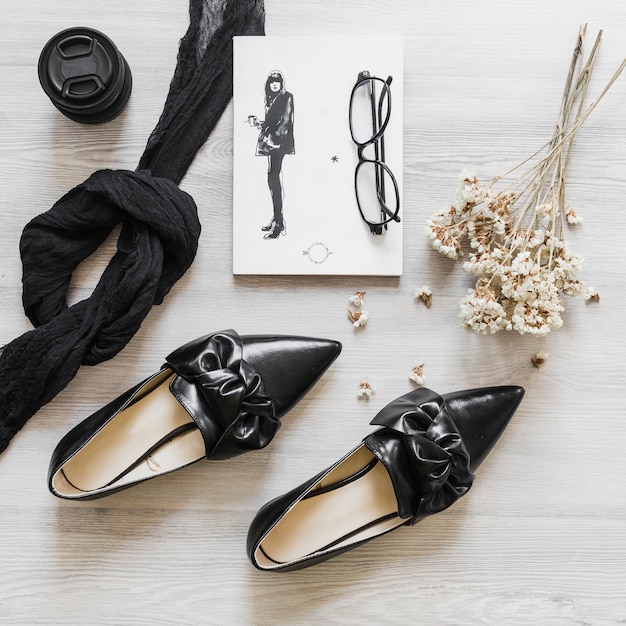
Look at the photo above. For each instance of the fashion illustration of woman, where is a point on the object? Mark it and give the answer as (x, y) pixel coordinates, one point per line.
(275, 140)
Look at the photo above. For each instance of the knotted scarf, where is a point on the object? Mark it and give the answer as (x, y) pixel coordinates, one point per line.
(159, 228)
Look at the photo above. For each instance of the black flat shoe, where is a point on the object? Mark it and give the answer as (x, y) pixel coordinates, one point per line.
(419, 463)
(216, 397)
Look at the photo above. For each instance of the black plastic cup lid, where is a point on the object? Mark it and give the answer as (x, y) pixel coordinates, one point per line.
(85, 75)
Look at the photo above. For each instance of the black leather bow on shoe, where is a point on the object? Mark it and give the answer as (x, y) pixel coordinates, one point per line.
(216, 397)
(423, 452)
(418, 463)
(224, 395)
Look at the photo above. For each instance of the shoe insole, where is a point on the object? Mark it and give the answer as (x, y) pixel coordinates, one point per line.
(126, 440)
(357, 510)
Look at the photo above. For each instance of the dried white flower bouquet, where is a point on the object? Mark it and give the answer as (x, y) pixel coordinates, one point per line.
(516, 234)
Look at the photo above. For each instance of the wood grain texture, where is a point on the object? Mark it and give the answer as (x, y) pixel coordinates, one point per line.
(540, 538)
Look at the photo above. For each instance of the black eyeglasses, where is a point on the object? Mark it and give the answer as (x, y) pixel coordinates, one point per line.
(369, 115)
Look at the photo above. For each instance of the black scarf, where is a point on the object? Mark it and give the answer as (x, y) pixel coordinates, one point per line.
(159, 228)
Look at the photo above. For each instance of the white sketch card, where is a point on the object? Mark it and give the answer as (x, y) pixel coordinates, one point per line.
(295, 203)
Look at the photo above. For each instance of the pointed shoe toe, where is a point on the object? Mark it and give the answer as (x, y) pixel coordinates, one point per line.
(289, 366)
(481, 415)
(215, 397)
(418, 463)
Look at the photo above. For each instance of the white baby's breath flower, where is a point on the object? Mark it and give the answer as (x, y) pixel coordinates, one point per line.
(450, 251)
(499, 226)
(424, 294)
(537, 238)
(470, 192)
(539, 359)
(357, 298)
(544, 211)
(572, 288)
(417, 374)
(523, 265)
(482, 313)
(572, 218)
(537, 317)
(467, 176)
(365, 389)
(358, 318)
(590, 294)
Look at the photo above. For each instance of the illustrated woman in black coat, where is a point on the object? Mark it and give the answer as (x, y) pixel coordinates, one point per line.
(275, 140)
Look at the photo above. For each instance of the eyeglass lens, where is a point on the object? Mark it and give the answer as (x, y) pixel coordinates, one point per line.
(370, 109)
(375, 191)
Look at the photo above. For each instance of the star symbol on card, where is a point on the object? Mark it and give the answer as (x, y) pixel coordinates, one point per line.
(334, 158)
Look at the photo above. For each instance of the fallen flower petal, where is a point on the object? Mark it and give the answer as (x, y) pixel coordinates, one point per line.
(417, 374)
(358, 318)
(357, 298)
(539, 359)
(572, 218)
(365, 389)
(424, 294)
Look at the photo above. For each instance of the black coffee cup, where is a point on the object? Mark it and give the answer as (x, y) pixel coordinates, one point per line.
(85, 75)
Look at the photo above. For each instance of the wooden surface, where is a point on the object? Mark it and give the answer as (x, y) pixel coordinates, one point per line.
(540, 539)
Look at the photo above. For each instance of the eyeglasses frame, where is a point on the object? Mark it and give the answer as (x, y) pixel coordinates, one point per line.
(377, 139)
